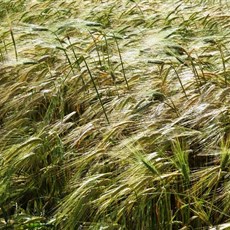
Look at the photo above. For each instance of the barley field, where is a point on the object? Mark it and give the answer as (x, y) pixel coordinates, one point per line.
(114, 114)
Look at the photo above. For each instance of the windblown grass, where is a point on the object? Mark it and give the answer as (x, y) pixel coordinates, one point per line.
(114, 114)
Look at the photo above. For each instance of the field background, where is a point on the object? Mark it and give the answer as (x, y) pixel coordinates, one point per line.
(114, 114)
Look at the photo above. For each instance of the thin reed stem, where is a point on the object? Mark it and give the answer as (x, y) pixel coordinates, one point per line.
(122, 63)
(14, 43)
(95, 87)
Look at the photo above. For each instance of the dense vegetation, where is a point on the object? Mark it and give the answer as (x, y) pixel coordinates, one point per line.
(114, 114)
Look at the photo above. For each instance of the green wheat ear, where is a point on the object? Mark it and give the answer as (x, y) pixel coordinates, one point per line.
(157, 96)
